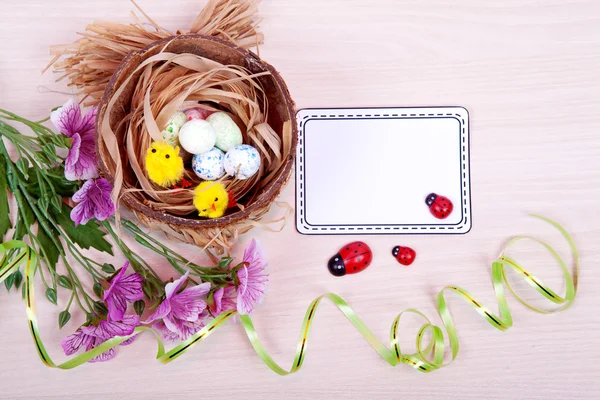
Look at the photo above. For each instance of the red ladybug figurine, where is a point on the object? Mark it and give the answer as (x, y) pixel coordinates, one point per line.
(439, 206)
(404, 255)
(351, 259)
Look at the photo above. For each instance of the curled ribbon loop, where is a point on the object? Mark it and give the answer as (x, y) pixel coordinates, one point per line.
(428, 357)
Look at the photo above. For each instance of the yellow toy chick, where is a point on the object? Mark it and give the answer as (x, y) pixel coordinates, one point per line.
(164, 165)
(211, 199)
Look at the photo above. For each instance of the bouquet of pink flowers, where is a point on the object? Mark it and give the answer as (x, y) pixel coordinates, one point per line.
(123, 299)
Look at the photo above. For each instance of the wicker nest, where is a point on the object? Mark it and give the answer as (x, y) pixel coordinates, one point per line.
(186, 70)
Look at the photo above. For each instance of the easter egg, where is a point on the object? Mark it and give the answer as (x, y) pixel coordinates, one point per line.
(244, 157)
(228, 133)
(196, 113)
(171, 132)
(209, 165)
(197, 136)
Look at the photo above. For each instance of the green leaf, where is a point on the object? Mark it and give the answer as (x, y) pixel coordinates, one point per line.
(86, 236)
(148, 290)
(20, 230)
(65, 282)
(18, 278)
(225, 261)
(63, 318)
(5, 224)
(23, 167)
(8, 282)
(100, 308)
(108, 268)
(139, 306)
(59, 184)
(98, 289)
(51, 295)
(27, 213)
(51, 252)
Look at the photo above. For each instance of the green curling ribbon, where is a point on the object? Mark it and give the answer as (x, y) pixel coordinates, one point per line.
(427, 358)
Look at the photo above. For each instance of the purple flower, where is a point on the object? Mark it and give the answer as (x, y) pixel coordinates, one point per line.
(92, 336)
(94, 202)
(224, 299)
(80, 163)
(186, 330)
(253, 279)
(123, 289)
(108, 329)
(182, 312)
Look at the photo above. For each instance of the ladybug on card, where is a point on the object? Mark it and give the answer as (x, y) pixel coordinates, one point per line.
(441, 207)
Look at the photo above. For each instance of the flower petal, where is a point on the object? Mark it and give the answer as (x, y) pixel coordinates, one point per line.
(106, 356)
(87, 125)
(130, 340)
(163, 309)
(109, 329)
(82, 213)
(67, 119)
(117, 306)
(71, 344)
(164, 332)
(172, 287)
(94, 202)
(81, 160)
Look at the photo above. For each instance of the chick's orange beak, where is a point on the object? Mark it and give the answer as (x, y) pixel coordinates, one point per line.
(213, 207)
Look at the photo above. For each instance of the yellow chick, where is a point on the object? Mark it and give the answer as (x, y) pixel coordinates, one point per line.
(211, 199)
(163, 164)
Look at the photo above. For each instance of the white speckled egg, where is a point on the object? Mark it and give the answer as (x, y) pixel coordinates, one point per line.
(197, 136)
(209, 165)
(246, 158)
(171, 132)
(228, 133)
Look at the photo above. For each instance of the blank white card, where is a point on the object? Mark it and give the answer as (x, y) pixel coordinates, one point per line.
(369, 170)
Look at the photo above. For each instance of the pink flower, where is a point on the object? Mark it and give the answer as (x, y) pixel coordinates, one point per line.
(94, 202)
(123, 289)
(92, 336)
(224, 299)
(253, 279)
(182, 312)
(81, 161)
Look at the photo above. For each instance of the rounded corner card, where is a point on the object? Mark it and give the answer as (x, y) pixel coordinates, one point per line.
(369, 170)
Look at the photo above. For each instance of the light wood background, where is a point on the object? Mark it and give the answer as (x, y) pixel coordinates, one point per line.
(528, 72)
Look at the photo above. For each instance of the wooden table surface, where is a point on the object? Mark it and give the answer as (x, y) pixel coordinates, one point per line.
(528, 72)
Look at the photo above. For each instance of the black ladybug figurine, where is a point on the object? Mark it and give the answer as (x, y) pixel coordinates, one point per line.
(351, 259)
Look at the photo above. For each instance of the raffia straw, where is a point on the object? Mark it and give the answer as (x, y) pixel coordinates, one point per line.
(91, 61)
(167, 82)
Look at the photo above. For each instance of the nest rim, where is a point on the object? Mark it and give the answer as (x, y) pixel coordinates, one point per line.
(262, 201)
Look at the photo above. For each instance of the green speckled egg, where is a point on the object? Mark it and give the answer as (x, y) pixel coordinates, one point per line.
(228, 133)
(171, 132)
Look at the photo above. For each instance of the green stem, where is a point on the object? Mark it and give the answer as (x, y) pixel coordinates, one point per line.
(70, 300)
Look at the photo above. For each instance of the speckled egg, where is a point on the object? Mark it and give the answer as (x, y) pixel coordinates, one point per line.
(197, 136)
(228, 133)
(246, 158)
(197, 113)
(209, 165)
(171, 132)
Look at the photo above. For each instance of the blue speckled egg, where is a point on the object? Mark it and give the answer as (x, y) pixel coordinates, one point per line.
(209, 165)
(244, 157)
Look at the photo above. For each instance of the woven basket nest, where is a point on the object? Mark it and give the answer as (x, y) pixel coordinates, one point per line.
(163, 72)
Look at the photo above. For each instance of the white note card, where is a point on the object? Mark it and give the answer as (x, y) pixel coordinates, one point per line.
(369, 170)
